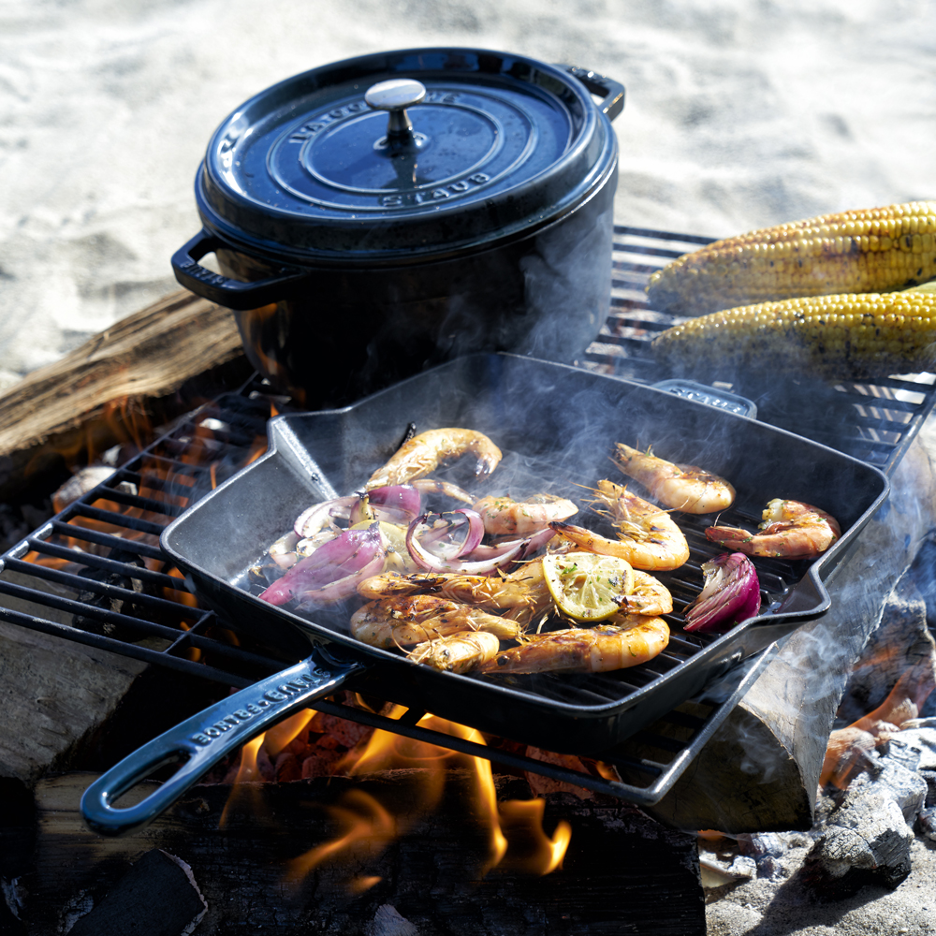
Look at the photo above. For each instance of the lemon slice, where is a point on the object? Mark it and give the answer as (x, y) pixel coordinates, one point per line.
(586, 586)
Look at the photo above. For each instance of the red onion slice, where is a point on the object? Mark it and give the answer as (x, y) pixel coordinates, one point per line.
(395, 503)
(451, 535)
(731, 594)
(434, 562)
(342, 588)
(536, 541)
(318, 516)
(345, 555)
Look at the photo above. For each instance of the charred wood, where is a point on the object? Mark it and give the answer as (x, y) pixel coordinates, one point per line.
(158, 896)
(867, 836)
(623, 872)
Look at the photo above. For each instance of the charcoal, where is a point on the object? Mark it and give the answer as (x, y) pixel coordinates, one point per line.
(867, 836)
(929, 777)
(923, 739)
(901, 751)
(157, 897)
(762, 845)
(387, 921)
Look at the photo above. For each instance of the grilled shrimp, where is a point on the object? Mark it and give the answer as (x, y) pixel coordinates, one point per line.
(410, 620)
(446, 488)
(504, 516)
(648, 534)
(648, 537)
(426, 451)
(790, 530)
(522, 595)
(681, 487)
(459, 653)
(624, 640)
(650, 596)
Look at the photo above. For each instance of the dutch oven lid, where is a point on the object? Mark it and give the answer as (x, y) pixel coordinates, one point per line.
(416, 151)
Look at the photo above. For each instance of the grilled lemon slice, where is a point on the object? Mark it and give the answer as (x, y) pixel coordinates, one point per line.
(586, 586)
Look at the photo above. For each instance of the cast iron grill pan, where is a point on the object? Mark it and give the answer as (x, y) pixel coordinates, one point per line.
(557, 426)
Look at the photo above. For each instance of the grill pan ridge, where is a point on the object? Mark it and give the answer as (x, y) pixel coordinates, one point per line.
(562, 422)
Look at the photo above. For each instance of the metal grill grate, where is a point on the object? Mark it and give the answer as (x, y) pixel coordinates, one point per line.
(875, 422)
(95, 574)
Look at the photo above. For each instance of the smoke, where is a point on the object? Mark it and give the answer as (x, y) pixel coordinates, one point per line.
(800, 692)
(567, 288)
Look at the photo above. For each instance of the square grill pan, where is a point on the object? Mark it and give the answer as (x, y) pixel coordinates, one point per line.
(557, 426)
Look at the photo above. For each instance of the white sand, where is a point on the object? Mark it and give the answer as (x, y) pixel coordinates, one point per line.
(738, 114)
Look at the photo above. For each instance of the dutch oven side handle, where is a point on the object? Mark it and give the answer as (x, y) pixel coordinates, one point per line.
(612, 91)
(204, 739)
(225, 291)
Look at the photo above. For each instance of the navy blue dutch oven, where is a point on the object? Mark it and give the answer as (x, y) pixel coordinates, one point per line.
(378, 216)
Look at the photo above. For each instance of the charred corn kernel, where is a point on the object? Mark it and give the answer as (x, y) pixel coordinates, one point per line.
(866, 335)
(872, 250)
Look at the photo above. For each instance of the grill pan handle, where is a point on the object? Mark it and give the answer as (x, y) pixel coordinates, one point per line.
(711, 396)
(206, 738)
(225, 291)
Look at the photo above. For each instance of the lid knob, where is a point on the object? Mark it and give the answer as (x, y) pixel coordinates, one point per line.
(395, 95)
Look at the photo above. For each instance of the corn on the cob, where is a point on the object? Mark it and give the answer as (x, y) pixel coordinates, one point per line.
(866, 335)
(872, 250)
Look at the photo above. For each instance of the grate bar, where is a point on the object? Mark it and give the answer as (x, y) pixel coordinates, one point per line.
(123, 520)
(118, 567)
(105, 540)
(134, 651)
(84, 608)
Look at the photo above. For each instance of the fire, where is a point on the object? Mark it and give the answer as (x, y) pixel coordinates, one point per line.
(370, 828)
(162, 485)
(522, 819)
(388, 751)
(368, 822)
(847, 746)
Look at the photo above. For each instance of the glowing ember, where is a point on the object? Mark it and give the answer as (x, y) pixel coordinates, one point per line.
(847, 746)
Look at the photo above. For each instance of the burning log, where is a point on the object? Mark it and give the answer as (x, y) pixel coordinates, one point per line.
(149, 367)
(901, 653)
(622, 872)
(867, 836)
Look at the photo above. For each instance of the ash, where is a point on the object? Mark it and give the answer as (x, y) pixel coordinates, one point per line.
(868, 865)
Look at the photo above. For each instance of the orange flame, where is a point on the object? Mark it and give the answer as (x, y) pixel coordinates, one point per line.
(286, 731)
(370, 828)
(535, 852)
(517, 841)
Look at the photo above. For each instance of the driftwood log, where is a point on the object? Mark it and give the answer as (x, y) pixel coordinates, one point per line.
(623, 872)
(148, 367)
(114, 389)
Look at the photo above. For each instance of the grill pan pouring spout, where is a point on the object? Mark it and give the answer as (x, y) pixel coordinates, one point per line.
(557, 426)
